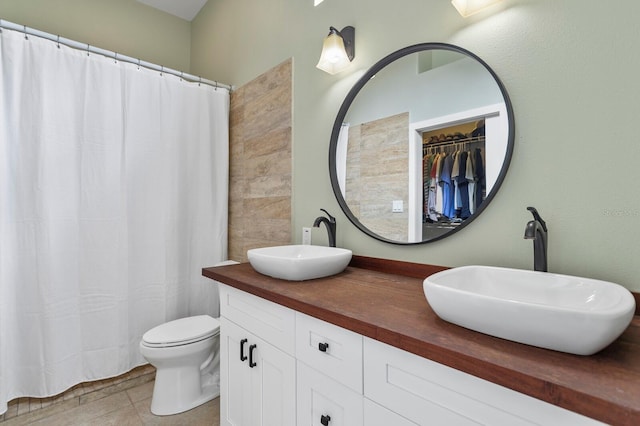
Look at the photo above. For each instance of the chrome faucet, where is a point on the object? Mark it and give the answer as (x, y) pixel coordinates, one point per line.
(330, 224)
(536, 230)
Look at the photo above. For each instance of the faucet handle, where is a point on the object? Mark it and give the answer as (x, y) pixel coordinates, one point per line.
(537, 217)
(331, 218)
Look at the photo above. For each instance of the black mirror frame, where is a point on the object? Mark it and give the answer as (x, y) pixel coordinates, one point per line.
(342, 112)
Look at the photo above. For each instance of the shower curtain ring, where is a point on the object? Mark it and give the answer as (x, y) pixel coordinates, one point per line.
(199, 81)
(161, 70)
(25, 32)
(138, 63)
(58, 42)
(88, 47)
(181, 74)
(116, 57)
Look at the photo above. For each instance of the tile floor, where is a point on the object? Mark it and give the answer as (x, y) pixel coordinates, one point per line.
(122, 400)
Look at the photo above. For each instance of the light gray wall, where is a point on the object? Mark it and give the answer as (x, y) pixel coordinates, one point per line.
(571, 78)
(458, 86)
(124, 26)
(570, 74)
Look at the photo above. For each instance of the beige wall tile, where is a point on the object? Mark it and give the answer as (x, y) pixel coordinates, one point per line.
(270, 207)
(260, 163)
(274, 141)
(383, 146)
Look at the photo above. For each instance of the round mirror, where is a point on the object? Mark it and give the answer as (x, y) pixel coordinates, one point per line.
(421, 144)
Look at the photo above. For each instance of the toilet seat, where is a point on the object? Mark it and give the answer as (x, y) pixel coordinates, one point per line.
(182, 331)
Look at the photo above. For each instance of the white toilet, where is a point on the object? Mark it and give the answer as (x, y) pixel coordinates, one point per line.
(185, 353)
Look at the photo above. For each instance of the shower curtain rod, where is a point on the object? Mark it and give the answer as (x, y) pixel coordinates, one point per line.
(27, 31)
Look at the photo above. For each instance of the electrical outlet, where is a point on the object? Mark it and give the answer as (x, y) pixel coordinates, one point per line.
(306, 236)
(397, 206)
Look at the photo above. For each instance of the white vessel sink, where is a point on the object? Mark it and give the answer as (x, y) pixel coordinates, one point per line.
(559, 312)
(299, 262)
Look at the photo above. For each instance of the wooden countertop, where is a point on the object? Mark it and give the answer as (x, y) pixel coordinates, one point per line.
(391, 307)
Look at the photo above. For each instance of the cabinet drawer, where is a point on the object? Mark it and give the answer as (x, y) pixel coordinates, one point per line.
(426, 392)
(377, 415)
(330, 349)
(272, 322)
(325, 402)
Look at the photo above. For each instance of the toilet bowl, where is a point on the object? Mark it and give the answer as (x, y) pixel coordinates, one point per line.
(185, 353)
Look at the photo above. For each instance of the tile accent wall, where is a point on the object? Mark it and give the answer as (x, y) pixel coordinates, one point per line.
(377, 173)
(260, 162)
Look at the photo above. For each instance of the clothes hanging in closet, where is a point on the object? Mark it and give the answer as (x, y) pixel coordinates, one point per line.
(453, 185)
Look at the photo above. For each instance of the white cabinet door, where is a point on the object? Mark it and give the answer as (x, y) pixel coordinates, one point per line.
(236, 396)
(324, 402)
(257, 380)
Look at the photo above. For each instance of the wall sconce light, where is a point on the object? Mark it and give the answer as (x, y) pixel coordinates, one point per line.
(338, 50)
(469, 7)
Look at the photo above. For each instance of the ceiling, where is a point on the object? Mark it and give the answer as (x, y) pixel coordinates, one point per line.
(185, 9)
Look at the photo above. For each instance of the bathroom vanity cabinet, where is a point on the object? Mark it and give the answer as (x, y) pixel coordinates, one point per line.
(364, 348)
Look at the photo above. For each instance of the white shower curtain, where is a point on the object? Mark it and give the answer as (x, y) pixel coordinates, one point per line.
(113, 196)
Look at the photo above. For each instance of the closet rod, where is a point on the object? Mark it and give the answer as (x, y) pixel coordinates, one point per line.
(27, 31)
(477, 139)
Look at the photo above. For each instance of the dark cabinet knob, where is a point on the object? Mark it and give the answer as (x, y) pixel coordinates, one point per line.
(251, 363)
(322, 347)
(325, 420)
(243, 358)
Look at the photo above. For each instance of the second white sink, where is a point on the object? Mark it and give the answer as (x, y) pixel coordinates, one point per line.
(560, 312)
(299, 262)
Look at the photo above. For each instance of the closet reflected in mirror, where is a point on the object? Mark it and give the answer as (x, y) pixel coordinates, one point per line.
(453, 176)
(421, 144)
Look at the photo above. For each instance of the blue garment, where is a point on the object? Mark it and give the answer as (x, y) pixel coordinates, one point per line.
(448, 195)
(463, 185)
